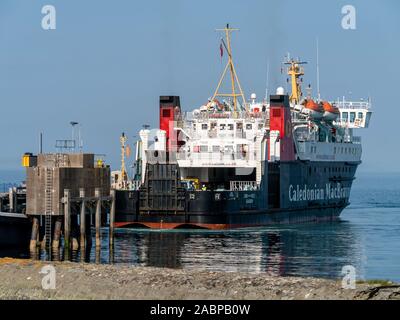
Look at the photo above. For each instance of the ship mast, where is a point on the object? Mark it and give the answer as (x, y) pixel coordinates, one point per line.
(234, 78)
(295, 71)
(124, 175)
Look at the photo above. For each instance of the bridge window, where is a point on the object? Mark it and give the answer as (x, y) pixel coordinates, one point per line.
(360, 115)
(249, 126)
(204, 126)
(345, 116)
(230, 126)
(222, 126)
(228, 150)
(352, 117)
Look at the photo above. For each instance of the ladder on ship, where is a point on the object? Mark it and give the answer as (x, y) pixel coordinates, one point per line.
(48, 210)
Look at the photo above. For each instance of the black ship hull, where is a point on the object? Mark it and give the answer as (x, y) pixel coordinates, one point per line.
(293, 192)
(14, 230)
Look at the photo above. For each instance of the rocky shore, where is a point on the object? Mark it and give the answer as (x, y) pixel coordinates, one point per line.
(22, 279)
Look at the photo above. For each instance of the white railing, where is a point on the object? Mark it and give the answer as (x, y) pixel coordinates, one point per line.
(205, 115)
(213, 134)
(214, 156)
(356, 139)
(243, 186)
(305, 136)
(352, 104)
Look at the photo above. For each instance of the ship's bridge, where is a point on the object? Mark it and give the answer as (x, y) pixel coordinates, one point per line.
(353, 114)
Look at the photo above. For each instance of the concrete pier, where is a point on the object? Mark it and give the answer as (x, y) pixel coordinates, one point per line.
(64, 188)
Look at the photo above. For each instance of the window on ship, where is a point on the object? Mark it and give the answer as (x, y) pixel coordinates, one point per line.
(352, 117)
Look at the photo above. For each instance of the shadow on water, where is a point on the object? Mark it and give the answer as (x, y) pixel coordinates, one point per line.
(304, 250)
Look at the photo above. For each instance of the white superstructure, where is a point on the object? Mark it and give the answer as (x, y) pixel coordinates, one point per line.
(231, 134)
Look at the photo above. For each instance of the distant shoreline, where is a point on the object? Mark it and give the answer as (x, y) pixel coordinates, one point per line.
(21, 279)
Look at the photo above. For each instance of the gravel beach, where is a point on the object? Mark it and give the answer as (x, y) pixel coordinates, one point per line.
(21, 279)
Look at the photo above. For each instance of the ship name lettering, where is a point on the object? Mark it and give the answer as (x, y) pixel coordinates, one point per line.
(307, 193)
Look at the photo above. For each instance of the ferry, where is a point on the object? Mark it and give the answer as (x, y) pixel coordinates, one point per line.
(235, 162)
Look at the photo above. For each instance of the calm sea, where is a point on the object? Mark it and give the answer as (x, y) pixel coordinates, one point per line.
(367, 237)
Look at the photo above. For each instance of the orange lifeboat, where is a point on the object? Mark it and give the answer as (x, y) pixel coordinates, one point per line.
(331, 113)
(316, 111)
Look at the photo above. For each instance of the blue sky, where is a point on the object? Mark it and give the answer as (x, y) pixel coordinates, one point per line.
(107, 63)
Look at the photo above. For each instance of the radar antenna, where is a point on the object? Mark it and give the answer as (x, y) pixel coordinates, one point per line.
(295, 71)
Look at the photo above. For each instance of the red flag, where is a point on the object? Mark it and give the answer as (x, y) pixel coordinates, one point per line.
(221, 49)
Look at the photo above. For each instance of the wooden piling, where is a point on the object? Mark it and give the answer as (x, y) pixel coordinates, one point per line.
(98, 216)
(97, 255)
(57, 234)
(112, 218)
(75, 244)
(67, 219)
(34, 234)
(74, 232)
(83, 219)
(89, 232)
(43, 243)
